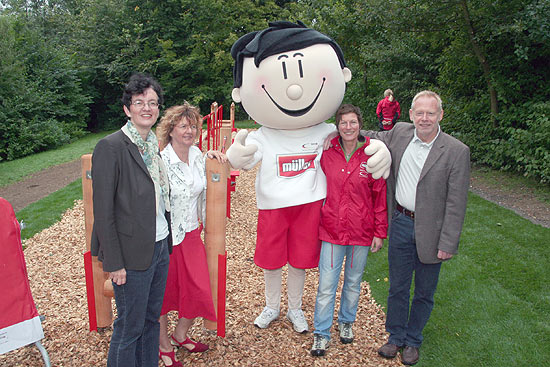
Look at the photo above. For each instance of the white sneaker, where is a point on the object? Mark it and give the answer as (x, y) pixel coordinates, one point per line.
(320, 345)
(265, 318)
(298, 320)
(346, 333)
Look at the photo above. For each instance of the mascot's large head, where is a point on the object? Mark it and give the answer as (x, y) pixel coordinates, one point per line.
(289, 76)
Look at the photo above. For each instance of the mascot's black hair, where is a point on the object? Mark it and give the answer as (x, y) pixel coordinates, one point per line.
(281, 36)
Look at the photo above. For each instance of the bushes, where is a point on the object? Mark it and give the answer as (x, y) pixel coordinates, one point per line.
(42, 104)
(521, 143)
(525, 146)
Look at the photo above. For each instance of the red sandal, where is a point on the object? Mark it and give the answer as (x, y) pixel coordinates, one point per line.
(172, 357)
(197, 347)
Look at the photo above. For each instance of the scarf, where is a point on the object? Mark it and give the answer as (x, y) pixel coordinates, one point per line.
(149, 150)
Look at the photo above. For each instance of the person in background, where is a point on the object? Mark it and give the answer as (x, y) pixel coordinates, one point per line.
(427, 193)
(388, 111)
(353, 220)
(131, 232)
(188, 286)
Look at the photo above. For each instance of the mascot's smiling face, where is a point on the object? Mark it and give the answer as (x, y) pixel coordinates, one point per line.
(293, 89)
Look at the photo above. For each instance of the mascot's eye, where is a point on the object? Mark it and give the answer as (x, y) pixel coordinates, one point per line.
(284, 70)
(301, 70)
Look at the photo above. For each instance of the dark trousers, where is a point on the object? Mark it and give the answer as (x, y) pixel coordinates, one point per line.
(406, 327)
(135, 339)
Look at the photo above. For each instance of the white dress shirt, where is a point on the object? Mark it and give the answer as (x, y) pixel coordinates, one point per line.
(410, 168)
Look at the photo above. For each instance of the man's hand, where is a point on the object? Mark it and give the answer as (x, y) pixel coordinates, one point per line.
(380, 163)
(118, 277)
(442, 255)
(328, 139)
(240, 154)
(377, 244)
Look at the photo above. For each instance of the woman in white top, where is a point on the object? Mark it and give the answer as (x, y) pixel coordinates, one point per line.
(188, 284)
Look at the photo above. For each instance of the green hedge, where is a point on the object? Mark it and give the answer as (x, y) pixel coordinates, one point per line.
(520, 143)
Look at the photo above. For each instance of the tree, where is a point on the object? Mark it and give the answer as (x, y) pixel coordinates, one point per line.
(43, 105)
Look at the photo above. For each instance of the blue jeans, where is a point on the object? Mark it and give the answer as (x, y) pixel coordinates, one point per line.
(330, 266)
(135, 339)
(406, 327)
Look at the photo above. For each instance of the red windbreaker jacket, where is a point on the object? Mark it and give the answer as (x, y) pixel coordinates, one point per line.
(355, 208)
(388, 111)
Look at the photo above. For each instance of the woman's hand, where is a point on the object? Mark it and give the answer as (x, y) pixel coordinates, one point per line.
(222, 158)
(376, 244)
(118, 277)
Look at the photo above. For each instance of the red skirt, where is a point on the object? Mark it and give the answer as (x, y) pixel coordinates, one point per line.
(188, 285)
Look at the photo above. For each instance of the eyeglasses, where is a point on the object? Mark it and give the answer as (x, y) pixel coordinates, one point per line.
(140, 104)
(184, 127)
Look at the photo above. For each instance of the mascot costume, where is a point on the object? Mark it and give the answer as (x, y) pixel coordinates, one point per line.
(289, 79)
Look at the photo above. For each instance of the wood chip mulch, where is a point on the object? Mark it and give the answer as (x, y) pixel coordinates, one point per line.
(56, 273)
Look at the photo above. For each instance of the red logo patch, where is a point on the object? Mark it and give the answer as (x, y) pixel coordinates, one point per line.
(295, 164)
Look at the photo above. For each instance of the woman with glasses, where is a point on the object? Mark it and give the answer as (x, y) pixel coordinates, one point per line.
(131, 232)
(188, 285)
(353, 220)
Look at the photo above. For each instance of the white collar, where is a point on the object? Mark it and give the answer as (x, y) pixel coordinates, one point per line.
(416, 138)
(173, 157)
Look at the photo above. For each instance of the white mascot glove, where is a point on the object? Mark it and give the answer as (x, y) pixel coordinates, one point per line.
(239, 154)
(379, 164)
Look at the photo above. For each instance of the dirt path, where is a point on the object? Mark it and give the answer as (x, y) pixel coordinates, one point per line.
(40, 184)
(521, 200)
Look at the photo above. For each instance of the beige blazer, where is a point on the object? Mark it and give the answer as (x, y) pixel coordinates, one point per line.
(441, 193)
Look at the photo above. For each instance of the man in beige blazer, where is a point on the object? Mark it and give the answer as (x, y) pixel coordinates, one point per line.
(427, 193)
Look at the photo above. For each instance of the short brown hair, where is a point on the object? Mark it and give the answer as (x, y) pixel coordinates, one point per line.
(349, 108)
(173, 116)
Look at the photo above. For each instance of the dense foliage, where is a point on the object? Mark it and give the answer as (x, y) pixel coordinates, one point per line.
(64, 63)
(42, 103)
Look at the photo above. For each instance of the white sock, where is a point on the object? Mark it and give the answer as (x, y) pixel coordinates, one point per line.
(273, 280)
(295, 287)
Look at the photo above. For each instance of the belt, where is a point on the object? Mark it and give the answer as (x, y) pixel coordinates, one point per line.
(407, 212)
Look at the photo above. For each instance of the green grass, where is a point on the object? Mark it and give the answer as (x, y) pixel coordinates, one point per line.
(18, 169)
(47, 211)
(493, 299)
(246, 124)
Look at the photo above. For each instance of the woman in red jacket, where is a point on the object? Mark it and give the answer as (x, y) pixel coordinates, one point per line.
(353, 220)
(388, 111)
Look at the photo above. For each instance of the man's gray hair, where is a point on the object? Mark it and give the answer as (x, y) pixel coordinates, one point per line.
(428, 93)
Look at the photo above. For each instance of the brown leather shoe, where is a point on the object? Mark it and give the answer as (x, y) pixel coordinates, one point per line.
(410, 355)
(389, 350)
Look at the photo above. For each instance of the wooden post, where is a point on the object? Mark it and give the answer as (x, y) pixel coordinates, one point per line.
(214, 233)
(232, 116)
(225, 135)
(104, 314)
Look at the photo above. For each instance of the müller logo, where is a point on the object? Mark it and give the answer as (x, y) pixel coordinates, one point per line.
(295, 164)
(363, 170)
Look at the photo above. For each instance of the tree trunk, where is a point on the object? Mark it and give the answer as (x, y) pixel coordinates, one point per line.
(482, 58)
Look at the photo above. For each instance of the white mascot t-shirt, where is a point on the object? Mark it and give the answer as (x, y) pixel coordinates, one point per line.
(290, 173)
